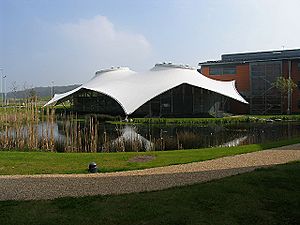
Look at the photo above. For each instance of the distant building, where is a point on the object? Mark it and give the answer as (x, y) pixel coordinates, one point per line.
(167, 90)
(255, 73)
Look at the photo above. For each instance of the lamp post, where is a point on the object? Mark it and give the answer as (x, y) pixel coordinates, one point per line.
(1, 86)
(4, 89)
(3, 92)
(52, 88)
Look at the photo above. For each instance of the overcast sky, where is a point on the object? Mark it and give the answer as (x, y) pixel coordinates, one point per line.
(66, 41)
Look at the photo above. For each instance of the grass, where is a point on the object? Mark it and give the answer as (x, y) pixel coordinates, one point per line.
(196, 121)
(65, 163)
(265, 196)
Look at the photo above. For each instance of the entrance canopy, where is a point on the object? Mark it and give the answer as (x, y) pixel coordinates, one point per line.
(131, 89)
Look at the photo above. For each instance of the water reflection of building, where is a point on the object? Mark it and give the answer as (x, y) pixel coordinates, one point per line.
(235, 142)
(165, 90)
(129, 134)
(255, 74)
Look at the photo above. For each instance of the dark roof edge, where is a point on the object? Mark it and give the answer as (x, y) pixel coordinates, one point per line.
(211, 63)
(263, 52)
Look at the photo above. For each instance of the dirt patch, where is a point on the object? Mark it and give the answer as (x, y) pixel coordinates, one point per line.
(142, 158)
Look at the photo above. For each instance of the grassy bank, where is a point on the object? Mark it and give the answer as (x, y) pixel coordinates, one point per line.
(265, 196)
(225, 120)
(50, 163)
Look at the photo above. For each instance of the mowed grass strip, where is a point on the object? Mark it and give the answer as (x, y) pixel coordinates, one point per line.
(205, 121)
(265, 196)
(22, 163)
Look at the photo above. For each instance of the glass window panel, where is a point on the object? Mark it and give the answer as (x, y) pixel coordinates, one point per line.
(222, 70)
(214, 70)
(229, 70)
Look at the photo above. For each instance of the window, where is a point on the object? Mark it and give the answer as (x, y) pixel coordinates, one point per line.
(222, 70)
(214, 70)
(229, 70)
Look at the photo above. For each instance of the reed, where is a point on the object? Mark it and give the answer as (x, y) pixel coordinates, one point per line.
(20, 128)
(80, 138)
(32, 128)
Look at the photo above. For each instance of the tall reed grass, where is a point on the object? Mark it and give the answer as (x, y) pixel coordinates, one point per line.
(19, 127)
(78, 137)
(33, 128)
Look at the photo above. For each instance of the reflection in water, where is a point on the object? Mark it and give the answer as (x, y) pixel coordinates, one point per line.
(76, 136)
(129, 134)
(170, 137)
(235, 142)
(43, 130)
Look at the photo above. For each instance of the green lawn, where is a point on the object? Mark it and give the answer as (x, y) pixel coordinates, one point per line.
(43, 162)
(265, 196)
(197, 121)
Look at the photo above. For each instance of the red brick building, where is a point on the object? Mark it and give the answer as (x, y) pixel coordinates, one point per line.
(255, 74)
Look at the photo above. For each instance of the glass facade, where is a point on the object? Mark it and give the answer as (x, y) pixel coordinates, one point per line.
(265, 98)
(87, 101)
(222, 70)
(183, 100)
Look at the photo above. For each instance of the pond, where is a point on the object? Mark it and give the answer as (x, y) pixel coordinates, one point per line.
(113, 138)
(87, 134)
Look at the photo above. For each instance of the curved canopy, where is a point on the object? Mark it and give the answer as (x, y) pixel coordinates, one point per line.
(131, 89)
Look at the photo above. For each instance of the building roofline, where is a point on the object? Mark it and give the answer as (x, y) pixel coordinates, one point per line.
(225, 62)
(262, 56)
(262, 52)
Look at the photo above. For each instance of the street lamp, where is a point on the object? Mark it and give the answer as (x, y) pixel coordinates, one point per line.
(3, 94)
(4, 88)
(52, 88)
(1, 86)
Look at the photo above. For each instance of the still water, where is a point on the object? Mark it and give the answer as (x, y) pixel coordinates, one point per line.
(171, 137)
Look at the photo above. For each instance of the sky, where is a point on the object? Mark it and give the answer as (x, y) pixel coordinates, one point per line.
(66, 41)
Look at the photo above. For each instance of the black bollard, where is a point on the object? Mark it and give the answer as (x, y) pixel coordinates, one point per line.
(93, 167)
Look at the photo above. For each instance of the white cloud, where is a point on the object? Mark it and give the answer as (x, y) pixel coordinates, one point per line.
(69, 53)
(96, 43)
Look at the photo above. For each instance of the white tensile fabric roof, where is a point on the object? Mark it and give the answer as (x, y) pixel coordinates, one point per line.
(131, 89)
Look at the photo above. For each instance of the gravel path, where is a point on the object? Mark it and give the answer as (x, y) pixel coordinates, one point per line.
(28, 187)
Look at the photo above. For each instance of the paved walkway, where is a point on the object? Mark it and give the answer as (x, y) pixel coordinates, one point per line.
(28, 187)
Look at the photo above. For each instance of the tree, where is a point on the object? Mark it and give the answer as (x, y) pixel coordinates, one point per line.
(32, 95)
(14, 88)
(286, 86)
(283, 84)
